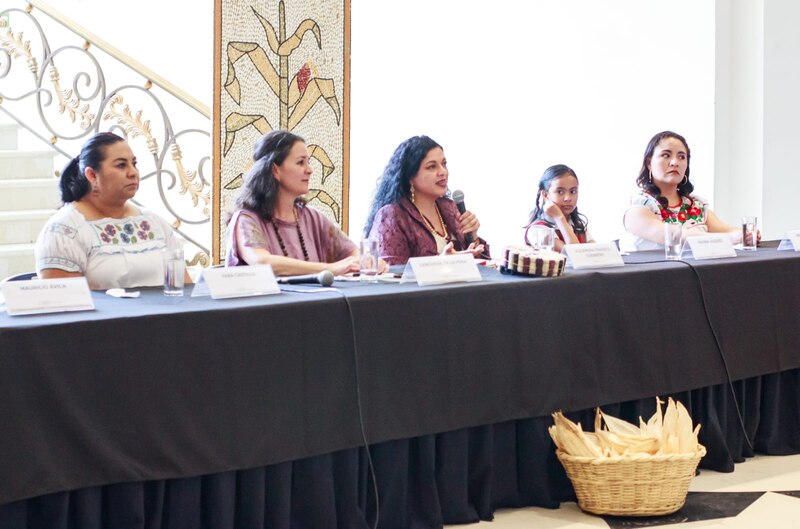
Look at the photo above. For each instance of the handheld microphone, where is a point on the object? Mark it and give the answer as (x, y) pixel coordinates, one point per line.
(324, 278)
(458, 198)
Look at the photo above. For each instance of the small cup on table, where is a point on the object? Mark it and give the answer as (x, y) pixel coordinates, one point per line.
(749, 233)
(174, 271)
(544, 238)
(673, 241)
(368, 260)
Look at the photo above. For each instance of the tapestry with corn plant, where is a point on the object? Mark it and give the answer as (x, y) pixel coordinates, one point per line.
(281, 65)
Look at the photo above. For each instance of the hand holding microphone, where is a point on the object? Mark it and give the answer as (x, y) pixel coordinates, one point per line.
(469, 222)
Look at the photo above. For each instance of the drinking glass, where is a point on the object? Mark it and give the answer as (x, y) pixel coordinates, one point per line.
(174, 271)
(673, 233)
(749, 233)
(368, 260)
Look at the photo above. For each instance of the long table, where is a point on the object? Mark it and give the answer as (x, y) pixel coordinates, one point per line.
(222, 413)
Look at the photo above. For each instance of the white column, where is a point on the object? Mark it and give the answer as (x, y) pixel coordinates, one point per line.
(781, 181)
(739, 113)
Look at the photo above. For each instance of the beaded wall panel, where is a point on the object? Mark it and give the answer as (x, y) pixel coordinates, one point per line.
(281, 65)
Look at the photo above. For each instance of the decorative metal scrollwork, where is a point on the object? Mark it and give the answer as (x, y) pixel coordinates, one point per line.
(33, 77)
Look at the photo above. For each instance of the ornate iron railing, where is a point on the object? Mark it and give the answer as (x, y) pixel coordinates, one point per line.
(62, 96)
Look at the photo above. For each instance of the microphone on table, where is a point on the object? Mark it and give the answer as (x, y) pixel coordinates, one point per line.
(324, 278)
(458, 198)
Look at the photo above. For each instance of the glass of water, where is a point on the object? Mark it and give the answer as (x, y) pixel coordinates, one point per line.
(673, 233)
(174, 271)
(368, 260)
(749, 233)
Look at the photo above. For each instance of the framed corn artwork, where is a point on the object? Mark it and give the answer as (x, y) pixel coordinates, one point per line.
(281, 65)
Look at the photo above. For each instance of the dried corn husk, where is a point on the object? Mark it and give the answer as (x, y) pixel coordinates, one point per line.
(670, 433)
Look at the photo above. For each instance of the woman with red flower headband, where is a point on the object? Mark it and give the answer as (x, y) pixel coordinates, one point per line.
(665, 196)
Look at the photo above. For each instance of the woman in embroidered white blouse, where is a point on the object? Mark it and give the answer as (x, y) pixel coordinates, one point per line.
(665, 196)
(99, 233)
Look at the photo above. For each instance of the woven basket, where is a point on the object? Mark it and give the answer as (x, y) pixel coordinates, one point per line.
(637, 485)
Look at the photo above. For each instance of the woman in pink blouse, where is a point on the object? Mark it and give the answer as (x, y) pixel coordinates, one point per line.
(272, 223)
(412, 215)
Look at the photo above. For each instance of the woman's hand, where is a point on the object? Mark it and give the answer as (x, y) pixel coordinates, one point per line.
(469, 223)
(383, 266)
(475, 248)
(345, 266)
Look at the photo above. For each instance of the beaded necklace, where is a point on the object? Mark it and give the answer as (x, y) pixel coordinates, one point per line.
(299, 235)
(429, 224)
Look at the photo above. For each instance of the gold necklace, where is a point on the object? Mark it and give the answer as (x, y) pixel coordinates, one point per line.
(428, 223)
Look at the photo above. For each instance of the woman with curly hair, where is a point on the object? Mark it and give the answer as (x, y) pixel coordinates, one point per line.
(665, 196)
(412, 214)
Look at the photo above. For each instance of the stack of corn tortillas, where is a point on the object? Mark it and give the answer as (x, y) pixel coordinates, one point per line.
(667, 433)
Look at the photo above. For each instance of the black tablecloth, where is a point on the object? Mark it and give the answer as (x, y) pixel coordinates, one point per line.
(160, 388)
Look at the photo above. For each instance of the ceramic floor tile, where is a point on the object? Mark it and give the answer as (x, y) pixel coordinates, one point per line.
(773, 511)
(760, 473)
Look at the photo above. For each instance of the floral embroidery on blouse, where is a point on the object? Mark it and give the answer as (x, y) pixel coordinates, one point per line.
(129, 233)
(687, 212)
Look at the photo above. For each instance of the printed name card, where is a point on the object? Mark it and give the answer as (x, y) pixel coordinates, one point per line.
(240, 281)
(441, 269)
(594, 255)
(40, 296)
(711, 246)
(791, 241)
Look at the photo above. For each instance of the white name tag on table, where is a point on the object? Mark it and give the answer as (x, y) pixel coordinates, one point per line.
(239, 281)
(441, 269)
(711, 246)
(40, 296)
(594, 255)
(791, 241)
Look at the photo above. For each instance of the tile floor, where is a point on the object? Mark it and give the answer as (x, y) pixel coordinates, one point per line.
(763, 492)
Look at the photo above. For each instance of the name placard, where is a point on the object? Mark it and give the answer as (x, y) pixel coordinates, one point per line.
(240, 281)
(711, 246)
(441, 269)
(41, 296)
(791, 241)
(594, 255)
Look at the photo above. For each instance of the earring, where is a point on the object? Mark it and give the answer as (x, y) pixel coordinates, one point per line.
(649, 176)
(685, 180)
(412, 194)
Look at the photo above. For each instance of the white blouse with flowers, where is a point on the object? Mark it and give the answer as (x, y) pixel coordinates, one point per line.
(691, 212)
(110, 253)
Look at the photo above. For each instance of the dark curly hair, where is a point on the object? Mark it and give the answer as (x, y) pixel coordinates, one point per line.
(645, 180)
(259, 192)
(579, 222)
(73, 183)
(395, 182)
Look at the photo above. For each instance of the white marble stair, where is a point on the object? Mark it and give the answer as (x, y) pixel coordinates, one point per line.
(28, 196)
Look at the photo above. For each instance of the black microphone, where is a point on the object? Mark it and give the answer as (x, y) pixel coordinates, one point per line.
(458, 198)
(324, 278)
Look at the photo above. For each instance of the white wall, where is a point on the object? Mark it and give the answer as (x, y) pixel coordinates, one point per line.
(781, 185)
(174, 38)
(740, 108)
(513, 86)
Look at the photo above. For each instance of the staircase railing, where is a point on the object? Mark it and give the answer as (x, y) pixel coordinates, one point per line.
(139, 105)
